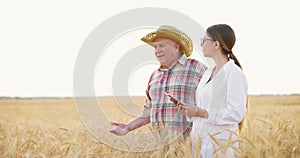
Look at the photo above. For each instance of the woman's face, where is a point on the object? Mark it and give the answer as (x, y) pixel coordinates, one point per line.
(208, 45)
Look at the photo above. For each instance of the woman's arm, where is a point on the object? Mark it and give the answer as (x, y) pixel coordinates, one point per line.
(236, 97)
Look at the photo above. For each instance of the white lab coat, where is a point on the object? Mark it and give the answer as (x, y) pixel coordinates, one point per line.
(224, 97)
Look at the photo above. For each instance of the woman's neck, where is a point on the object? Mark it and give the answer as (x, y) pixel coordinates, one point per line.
(220, 60)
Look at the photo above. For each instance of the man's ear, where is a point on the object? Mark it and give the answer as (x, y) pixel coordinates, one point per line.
(177, 47)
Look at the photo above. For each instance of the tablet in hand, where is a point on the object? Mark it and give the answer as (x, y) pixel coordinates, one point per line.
(175, 101)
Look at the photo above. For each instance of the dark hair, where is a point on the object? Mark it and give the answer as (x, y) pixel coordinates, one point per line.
(225, 35)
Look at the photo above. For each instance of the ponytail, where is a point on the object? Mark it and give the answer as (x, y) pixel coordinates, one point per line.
(232, 56)
(236, 61)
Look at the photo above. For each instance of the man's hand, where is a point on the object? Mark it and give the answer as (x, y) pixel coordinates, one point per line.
(121, 129)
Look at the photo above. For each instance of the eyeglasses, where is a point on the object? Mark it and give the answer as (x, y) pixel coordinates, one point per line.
(203, 39)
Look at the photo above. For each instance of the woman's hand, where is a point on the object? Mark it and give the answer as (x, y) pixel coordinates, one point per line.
(191, 110)
(187, 109)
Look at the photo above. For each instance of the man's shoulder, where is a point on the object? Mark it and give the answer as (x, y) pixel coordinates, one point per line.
(196, 66)
(195, 62)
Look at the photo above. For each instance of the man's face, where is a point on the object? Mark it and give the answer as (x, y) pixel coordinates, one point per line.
(166, 51)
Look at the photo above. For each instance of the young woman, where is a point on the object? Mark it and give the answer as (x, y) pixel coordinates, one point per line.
(221, 97)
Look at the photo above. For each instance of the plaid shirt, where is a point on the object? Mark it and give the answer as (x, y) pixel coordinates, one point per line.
(181, 82)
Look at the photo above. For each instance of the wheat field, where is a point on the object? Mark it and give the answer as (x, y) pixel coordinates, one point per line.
(53, 128)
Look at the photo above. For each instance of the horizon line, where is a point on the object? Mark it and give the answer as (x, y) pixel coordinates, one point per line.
(73, 97)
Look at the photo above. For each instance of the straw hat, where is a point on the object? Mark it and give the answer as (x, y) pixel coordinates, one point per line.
(170, 32)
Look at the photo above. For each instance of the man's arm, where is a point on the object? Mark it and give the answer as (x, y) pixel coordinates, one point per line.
(123, 129)
(138, 122)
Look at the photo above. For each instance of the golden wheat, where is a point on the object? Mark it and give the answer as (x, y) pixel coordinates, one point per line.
(52, 128)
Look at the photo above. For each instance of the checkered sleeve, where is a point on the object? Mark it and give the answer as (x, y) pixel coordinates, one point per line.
(147, 105)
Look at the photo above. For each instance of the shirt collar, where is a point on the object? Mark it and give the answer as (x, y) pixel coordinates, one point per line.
(227, 64)
(181, 61)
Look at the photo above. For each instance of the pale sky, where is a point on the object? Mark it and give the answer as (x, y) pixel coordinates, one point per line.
(40, 41)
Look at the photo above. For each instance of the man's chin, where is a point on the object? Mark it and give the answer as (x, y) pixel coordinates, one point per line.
(161, 62)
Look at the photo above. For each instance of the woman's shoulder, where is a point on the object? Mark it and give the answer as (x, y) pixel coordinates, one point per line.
(232, 67)
(233, 70)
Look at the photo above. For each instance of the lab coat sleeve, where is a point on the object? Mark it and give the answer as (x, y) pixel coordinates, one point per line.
(234, 108)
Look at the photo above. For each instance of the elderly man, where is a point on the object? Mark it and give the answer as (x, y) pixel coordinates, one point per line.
(177, 76)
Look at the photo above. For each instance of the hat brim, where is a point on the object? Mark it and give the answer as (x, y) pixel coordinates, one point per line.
(186, 45)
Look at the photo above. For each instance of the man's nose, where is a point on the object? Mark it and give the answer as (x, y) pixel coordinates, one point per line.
(157, 50)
